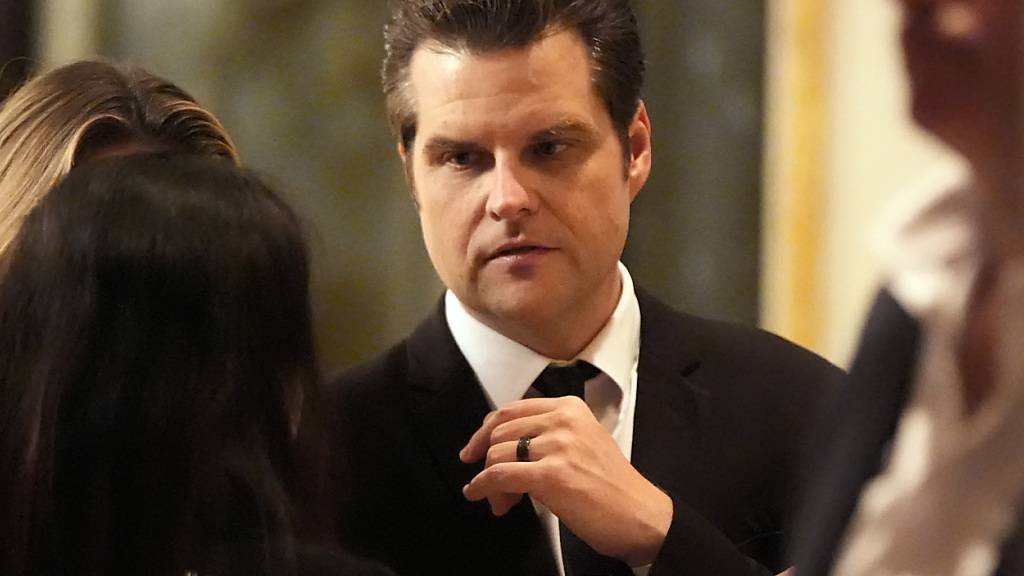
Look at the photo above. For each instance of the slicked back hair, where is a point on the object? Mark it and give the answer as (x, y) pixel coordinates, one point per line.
(608, 29)
(64, 117)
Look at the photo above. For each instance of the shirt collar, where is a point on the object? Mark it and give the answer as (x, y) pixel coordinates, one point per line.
(506, 368)
(928, 244)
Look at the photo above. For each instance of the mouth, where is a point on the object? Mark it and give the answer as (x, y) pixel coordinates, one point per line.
(518, 250)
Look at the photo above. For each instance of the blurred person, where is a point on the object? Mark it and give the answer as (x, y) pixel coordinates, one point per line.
(923, 471)
(644, 437)
(89, 109)
(156, 352)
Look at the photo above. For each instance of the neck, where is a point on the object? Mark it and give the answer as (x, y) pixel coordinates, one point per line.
(565, 335)
(1000, 190)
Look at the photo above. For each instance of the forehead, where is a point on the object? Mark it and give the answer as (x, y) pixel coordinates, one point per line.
(547, 81)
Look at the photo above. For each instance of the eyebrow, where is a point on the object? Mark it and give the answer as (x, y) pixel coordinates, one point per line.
(563, 129)
(566, 128)
(440, 144)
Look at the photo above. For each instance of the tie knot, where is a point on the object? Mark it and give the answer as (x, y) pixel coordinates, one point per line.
(568, 380)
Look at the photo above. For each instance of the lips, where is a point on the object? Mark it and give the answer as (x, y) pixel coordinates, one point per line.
(517, 249)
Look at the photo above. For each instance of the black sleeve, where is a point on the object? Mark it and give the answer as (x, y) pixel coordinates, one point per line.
(694, 546)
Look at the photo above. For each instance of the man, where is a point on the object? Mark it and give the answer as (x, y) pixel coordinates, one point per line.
(524, 142)
(923, 472)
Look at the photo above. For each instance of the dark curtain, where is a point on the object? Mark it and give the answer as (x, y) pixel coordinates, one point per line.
(15, 31)
(695, 231)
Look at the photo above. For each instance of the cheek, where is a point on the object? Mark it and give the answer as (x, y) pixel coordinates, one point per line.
(619, 217)
(604, 212)
(616, 195)
(448, 224)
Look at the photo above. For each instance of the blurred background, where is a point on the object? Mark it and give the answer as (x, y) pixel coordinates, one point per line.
(779, 136)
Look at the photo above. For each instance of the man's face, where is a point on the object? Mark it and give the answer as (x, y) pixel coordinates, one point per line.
(963, 60)
(519, 178)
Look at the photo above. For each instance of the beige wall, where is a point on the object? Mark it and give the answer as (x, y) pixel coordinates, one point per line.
(870, 152)
(68, 29)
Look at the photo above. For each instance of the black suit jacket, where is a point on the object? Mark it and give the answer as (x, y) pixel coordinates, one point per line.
(719, 416)
(856, 433)
(298, 558)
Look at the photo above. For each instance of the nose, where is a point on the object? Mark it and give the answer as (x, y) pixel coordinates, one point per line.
(510, 198)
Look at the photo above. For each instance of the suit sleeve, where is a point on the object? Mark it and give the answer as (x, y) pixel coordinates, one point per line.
(694, 546)
(761, 394)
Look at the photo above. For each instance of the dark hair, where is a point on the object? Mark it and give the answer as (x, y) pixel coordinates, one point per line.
(608, 28)
(155, 339)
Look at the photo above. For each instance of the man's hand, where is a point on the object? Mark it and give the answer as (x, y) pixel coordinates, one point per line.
(576, 470)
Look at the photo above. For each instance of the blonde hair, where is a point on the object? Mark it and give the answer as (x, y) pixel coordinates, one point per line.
(73, 112)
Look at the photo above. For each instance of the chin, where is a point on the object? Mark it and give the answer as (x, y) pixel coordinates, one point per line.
(520, 310)
(516, 308)
(940, 117)
(925, 116)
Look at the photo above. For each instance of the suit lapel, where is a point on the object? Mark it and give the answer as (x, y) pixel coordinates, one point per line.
(671, 406)
(447, 406)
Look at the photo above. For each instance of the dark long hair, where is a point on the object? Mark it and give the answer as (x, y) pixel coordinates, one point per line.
(155, 346)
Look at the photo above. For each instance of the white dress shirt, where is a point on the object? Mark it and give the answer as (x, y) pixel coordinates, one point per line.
(951, 490)
(506, 371)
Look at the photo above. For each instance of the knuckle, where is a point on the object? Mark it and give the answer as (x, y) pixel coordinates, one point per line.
(498, 474)
(557, 442)
(501, 415)
(549, 471)
(497, 433)
(487, 420)
(564, 417)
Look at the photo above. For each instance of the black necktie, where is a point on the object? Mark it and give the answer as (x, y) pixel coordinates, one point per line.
(579, 558)
(567, 380)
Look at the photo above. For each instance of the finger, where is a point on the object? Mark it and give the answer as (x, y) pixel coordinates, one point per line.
(532, 426)
(503, 478)
(538, 448)
(506, 452)
(477, 446)
(502, 503)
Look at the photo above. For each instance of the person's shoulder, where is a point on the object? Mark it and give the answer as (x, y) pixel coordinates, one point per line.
(758, 345)
(393, 366)
(377, 371)
(374, 390)
(735, 344)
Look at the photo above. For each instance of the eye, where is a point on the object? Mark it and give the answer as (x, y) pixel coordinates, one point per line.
(461, 159)
(549, 148)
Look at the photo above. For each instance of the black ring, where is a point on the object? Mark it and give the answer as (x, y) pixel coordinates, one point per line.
(523, 449)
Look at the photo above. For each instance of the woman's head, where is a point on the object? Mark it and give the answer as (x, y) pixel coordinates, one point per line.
(155, 343)
(87, 110)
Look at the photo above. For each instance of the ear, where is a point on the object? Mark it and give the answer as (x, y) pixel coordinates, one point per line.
(639, 167)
